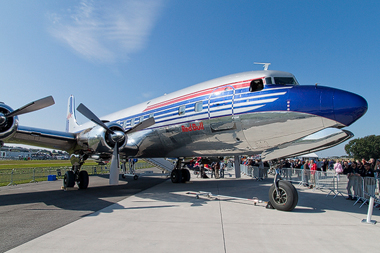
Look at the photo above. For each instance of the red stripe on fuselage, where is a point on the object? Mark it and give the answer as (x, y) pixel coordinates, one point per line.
(236, 85)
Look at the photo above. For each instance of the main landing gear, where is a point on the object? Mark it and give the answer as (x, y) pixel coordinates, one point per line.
(283, 195)
(180, 175)
(76, 175)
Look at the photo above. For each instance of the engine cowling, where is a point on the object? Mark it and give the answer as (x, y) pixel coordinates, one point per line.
(8, 125)
(99, 140)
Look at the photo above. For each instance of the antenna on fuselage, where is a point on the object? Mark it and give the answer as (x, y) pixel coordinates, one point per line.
(265, 64)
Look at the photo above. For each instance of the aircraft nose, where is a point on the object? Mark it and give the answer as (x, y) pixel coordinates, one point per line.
(348, 107)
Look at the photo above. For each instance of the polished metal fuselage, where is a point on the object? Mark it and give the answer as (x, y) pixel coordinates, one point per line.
(220, 117)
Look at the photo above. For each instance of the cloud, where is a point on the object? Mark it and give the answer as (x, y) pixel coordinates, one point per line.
(147, 94)
(105, 31)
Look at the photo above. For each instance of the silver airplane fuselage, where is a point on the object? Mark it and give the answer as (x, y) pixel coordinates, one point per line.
(247, 113)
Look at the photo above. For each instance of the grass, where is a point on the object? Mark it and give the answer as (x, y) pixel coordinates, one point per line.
(19, 164)
(20, 171)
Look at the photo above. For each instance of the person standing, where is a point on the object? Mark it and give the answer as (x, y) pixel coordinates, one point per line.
(222, 167)
(348, 170)
(313, 170)
(325, 164)
(369, 181)
(217, 168)
(306, 173)
(338, 169)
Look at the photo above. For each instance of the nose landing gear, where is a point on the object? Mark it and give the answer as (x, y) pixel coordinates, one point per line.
(283, 195)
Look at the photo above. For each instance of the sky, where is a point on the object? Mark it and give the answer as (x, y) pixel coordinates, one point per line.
(114, 54)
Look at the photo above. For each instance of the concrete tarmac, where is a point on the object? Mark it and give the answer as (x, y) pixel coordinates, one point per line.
(165, 218)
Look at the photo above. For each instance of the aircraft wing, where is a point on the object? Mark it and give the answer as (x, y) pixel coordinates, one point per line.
(324, 139)
(44, 138)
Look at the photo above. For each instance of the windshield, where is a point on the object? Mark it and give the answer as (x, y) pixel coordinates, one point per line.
(285, 80)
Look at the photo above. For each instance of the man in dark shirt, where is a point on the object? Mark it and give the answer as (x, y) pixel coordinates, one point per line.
(347, 170)
(369, 181)
(325, 164)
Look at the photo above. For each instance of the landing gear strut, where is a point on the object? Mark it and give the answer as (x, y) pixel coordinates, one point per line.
(180, 175)
(283, 195)
(75, 174)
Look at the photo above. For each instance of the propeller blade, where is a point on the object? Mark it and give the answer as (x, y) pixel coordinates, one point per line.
(142, 125)
(115, 166)
(91, 116)
(33, 106)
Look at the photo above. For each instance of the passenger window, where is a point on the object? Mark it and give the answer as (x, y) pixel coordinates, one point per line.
(151, 115)
(256, 85)
(132, 122)
(181, 110)
(141, 118)
(268, 80)
(198, 106)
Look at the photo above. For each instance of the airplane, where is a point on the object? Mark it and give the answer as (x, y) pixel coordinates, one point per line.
(263, 112)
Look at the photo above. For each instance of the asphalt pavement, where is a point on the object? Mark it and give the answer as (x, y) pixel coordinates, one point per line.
(28, 211)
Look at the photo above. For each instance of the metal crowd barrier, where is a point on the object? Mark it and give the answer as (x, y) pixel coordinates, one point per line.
(361, 189)
(254, 171)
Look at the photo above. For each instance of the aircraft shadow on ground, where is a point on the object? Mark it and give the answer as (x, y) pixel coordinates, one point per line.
(92, 199)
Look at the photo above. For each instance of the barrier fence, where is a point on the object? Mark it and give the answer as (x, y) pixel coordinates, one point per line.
(359, 188)
(29, 175)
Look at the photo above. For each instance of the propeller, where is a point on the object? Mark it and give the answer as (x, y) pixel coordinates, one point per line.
(91, 116)
(116, 136)
(31, 107)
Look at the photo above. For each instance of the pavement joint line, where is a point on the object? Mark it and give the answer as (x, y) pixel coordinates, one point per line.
(221, 220)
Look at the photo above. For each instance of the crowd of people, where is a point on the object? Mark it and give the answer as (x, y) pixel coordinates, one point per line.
(361, 174)
(200, 167)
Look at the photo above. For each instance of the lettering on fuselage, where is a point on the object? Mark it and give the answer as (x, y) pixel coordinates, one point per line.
(193, 127)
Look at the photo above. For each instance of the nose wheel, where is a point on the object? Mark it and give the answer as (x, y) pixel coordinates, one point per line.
(284, 196)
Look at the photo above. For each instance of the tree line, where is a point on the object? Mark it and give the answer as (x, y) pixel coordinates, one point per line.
(366, 147)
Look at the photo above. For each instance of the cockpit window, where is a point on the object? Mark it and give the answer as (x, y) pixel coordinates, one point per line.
(284, 80)
(256, 85)
(268, 80)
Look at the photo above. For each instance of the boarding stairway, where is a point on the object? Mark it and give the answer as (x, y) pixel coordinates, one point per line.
(161, 163)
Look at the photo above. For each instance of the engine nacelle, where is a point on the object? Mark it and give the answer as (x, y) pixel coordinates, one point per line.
(8, 125)
(98, 140)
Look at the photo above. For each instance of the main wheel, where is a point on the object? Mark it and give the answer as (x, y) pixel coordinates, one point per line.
(176, 176)
(287, 198)
(69, 179)
(83, 179)
(185, 175)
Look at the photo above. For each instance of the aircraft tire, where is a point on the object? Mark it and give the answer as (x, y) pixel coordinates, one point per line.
(185, 175)
(288, 198)
(69, 179)
(176, 176)
(83, 179)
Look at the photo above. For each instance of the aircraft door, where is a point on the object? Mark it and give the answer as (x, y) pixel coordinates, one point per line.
(221, 108)
(226, 131)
